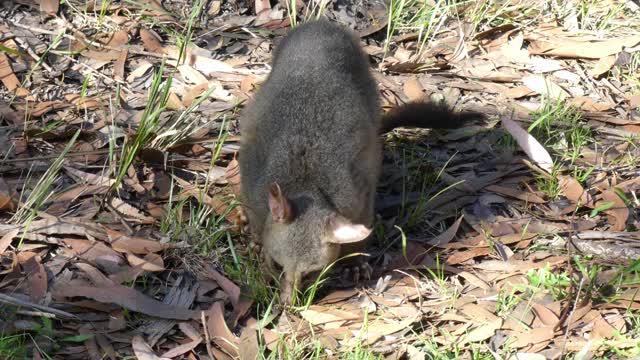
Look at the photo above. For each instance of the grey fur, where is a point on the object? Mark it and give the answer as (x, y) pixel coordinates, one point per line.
(312, 128)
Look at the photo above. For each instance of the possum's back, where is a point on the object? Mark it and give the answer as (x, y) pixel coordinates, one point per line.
(319, 76)
(314, 122)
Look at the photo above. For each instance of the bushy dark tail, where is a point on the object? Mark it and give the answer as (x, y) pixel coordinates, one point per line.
(426, 115)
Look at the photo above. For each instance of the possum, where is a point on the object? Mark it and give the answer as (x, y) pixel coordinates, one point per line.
(311, 151)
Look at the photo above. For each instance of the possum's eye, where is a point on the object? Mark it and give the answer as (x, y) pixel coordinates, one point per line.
(344, 231)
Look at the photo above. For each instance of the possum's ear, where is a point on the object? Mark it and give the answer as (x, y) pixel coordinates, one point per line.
(279, 205)
(343, 231)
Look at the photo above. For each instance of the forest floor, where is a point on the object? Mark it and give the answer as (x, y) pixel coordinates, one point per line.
(517, 237)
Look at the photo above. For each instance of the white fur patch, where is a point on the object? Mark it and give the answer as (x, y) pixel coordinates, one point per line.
(349, 233)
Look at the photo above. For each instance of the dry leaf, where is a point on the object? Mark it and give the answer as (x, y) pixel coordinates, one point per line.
(584, 49)
(262, 5)
(529, 144)
(133, 244)
(591, 105)
(462, 256)
(544, 86)
(602, 66)
(447, 235)
(90, 342)
(78, 191)
(151, 41)
(546, 316)
(519, 92)
(44, 107)
(379, 328)
(619, 213)
(139, 72)
(271, 339)
(227, 285)
(208, 66)
(117, 40)
(474, 280)
(154, 8)
(6, 239)
(118, 66)
(37, 277)
(194, 92)
(130, 212)
(484, 331)
(529, 356)
(93, 179)
(321, 315)
(49, 7)
(601, 328)
(572, 189)
(192, 76)
(249, 347)
(190, 331)
(90, 251)
(634, 101)
(219, 332)
(413, 89)
(9, 79)
(214, 8)
(532, 336)
(477, 312)
(181, 349)
(174, 103)
(248, 83)
(515, 193)
(128, 298)
(151, 262)
(143, 351)
(6, 198)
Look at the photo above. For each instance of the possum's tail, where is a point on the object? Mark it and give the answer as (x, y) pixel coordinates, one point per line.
(426, 115)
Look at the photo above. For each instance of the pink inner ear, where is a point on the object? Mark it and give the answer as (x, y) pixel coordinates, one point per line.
(348, 233)
(279, 205)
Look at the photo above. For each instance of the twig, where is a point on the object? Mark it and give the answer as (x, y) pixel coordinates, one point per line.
(569, 318)
(614, 89)
(230, 139)
(120, 217)
(85, 40)
(33, 54)
(39, 59)
(591, 84)
(8, 299)
(36, 313)
(94, 71)
(206, 335)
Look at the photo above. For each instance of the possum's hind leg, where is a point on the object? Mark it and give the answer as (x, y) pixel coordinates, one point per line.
(289, 285)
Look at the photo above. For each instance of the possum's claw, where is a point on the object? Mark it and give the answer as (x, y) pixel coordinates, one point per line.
(358, 273)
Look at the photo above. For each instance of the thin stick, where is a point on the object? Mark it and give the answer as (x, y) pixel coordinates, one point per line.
(120, 217)
(94, 71)
(85, 40)
(105, 151)
(8, 299)
(206, 335)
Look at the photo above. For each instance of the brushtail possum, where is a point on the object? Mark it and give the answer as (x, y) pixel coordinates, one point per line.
(311, 154)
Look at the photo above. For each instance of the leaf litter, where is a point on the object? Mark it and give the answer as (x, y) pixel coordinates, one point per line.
(525, 238)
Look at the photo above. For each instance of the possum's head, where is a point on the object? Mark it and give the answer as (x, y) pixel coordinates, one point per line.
(304, 233)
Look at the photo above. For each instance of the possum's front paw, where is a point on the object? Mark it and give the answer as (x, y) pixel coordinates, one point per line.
(239, 219)
(357, 273)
